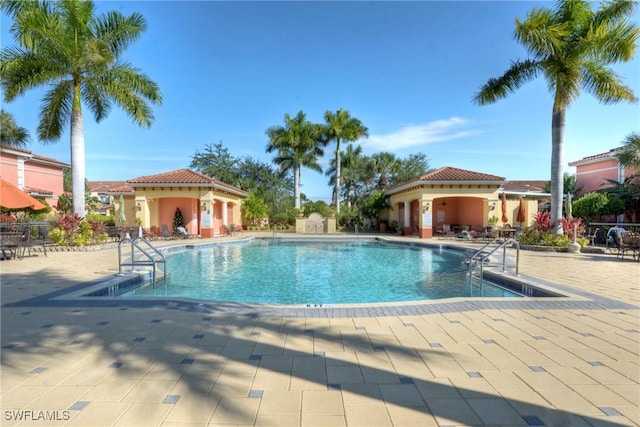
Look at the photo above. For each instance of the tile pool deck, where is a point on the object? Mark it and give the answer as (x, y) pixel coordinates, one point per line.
(555, 362)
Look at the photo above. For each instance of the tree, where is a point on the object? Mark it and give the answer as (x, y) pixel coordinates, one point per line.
(254, 209)
(340, 126)
(572, 47)
(11, 133)
(413, 166)
(630, 154)
(76, 55)
(217, 162)
(298, 143)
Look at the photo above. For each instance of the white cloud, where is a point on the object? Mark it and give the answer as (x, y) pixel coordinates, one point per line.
(422, 134)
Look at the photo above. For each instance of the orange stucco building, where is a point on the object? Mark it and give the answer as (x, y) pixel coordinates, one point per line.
(41, 177)
(207, 205)
(456, 196)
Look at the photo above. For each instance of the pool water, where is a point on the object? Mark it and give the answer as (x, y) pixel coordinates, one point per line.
(280, 272)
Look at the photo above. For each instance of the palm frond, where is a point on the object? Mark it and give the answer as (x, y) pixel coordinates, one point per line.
(55, 110)
(519, 73)
(605, 84)
(119, 31)
(630, 155)
(540, 34)
(96, 99)
(21, 70)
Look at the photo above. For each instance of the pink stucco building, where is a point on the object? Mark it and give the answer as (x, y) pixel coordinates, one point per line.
(592, 172)
(41, 177)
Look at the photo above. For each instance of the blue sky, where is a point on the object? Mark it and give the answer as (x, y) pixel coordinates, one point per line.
(407, 70)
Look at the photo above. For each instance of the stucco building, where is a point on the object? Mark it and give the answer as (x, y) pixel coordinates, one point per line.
(41, 177)
(455, 196)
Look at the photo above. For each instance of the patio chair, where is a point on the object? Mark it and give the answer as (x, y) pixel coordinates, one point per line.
(592, 237)
(12, 244)
(226, 231)
(629, 243)
(236, 229)
(182, 233)
(35, 238)
(165, 233)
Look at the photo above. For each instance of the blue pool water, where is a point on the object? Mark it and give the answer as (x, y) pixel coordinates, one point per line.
(280, 272)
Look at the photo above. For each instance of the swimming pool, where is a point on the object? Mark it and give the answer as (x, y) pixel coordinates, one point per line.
(283, 272)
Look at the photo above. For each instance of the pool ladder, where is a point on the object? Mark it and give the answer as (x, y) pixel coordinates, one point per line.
(139, 256)
(482, 255)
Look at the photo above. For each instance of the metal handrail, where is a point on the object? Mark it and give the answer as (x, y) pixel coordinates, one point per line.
(357, 234)
(482, 256)
(154, 256)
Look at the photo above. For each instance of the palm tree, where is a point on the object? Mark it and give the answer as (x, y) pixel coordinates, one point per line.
(572, 47)
(630, 154)
(62, 45)
(340, 126)
(384, 164)
(350, 161)
(11, 133)
(298, 143)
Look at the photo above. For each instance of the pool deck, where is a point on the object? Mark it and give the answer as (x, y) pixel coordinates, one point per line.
(571, 361)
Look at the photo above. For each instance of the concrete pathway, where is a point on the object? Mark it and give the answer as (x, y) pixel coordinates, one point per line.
(467, 363)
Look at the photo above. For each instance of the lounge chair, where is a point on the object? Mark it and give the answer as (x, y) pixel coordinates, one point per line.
(165, 233)
(226, 231)
(236, 229)
(182, 233)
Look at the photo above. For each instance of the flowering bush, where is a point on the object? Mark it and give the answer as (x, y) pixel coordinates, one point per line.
(567, 225)
(73, 230)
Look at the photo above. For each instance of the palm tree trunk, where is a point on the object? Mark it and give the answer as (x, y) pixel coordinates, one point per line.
(558, 123)
(296, 186)
(337, 190)
(77, 163)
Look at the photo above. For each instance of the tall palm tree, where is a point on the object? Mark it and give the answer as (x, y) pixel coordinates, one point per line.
(572, 47)
(11, 133)
(350, 160)
(630, 154)
(340, 126)
(298, 143)
(63, 46)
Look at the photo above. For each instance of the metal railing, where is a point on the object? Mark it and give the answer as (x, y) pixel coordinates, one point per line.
(150, 257)
(483, 254)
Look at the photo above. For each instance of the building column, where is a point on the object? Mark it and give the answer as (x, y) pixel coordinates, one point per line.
(224, 213)
(425, 228)
(406, 221)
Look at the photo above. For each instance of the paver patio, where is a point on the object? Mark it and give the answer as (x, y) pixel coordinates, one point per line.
(555, 362)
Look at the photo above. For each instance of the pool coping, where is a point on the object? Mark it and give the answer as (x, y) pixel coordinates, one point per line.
(570, 298)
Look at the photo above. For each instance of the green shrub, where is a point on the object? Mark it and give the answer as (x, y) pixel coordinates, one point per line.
(57, 236)
(108, 220)
(543, 238)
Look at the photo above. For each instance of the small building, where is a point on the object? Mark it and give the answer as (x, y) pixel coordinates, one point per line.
(456, 197)
(592, 172)
(41, 177)
(207, 205)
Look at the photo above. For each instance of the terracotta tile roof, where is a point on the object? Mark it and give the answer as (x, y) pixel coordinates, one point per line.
(602, 156)
(104, 186)
(122, 188)
(32, 191)
(180, 176)
(184, 176)
(448, 173)
(535, 185)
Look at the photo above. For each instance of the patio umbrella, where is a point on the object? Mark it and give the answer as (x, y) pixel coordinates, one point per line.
(568, 208)
(11, 197)
(521, 212)
(122, 217)
(505, 218)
